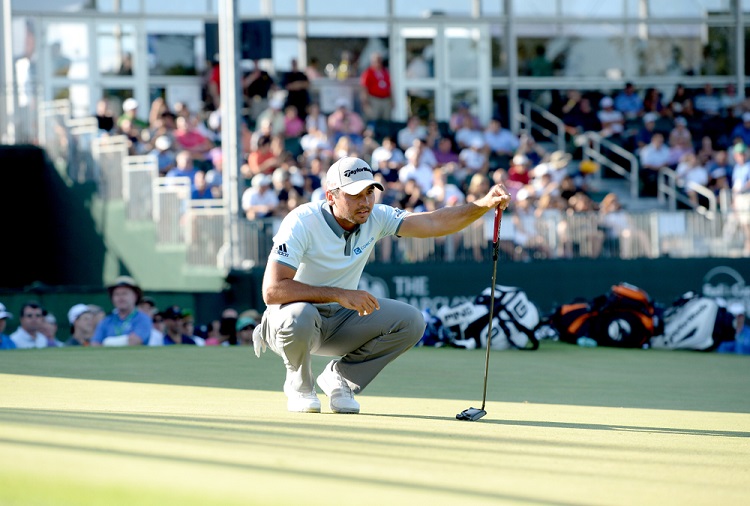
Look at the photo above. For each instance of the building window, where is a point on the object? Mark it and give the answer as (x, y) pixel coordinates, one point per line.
(116, 49)
(171, 55)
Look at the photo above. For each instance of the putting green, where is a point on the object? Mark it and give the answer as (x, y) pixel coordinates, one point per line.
(565, 425)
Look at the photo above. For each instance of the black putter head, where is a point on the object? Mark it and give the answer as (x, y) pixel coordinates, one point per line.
(471, 414)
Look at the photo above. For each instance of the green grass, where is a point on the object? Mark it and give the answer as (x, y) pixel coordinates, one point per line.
(188, 426)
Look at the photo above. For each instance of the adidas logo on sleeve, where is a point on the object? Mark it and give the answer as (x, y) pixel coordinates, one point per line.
(282, 251)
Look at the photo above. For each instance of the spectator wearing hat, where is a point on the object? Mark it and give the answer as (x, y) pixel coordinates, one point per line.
(612, 120)
(126, 325)
(188, 328)
(260, 201)
(646, 131)
(414, 169)
(165, 157)
(518, 173)
(174, 327)
(345, 122)
(28, 334)
(6, 343)
(742, 130)
(387, 159)
(680, 141)
(473, 158)
(81, 325)
(130, 113)
(245, 327)
(148, 305)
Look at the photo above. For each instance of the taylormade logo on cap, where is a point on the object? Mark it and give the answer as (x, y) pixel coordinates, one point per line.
(352, 175)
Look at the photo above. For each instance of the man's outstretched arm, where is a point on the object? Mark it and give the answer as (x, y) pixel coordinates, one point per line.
(449, 220)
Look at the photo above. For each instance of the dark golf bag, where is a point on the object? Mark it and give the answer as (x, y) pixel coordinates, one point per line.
(695, 323)
(514, 321)
(624, 317)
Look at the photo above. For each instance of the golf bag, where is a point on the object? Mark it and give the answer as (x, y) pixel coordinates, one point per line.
(625, 317)
(514, 320)
(571, 321)
(695, 323)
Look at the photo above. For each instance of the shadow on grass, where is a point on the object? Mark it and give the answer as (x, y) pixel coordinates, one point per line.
(556, 374)
(163, 438)
(585, 426)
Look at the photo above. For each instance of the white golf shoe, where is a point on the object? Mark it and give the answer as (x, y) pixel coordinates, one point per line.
(340, 396)
(301, 402)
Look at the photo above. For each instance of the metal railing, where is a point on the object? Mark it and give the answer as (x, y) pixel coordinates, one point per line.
(199, 226)
(108, 154)
(138, 175)
(670, 192)
(203, 226)
(593, 146)
(554, 131)
(171, 195)
(551, 234)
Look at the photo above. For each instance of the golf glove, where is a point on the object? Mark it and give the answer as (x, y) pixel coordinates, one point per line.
(259, 344)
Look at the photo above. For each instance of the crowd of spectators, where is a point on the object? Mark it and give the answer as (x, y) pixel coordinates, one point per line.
(288, 143)
(135, 320)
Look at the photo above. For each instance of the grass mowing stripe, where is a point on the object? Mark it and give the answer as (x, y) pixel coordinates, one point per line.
(207, 426)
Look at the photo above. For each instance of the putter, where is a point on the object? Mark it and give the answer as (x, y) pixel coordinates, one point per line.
(474, 414)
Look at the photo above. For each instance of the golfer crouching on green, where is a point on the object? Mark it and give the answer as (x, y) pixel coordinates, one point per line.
(310, 286)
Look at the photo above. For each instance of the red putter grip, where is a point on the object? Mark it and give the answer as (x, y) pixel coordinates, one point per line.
(498, 220)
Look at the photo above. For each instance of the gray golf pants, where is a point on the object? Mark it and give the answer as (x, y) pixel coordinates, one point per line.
(366, 344)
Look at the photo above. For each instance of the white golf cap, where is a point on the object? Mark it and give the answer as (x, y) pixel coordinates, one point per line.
(352, 175)
(76, 311)
(129, 104)
(3, 312)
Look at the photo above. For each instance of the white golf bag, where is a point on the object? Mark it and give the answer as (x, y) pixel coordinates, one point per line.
(514, 320)
(692, 323)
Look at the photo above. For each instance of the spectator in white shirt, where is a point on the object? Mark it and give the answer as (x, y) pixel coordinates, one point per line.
(653, 156)
(420, 172)
(260, 201)
(28, 334)
(612, 120)
(413, 130)
(689, 172)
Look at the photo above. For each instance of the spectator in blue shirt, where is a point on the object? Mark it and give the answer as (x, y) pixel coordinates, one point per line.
(6, 343)
(173, 329)
(184, 167)
(742, 131)
(126, 325)
(628, 102)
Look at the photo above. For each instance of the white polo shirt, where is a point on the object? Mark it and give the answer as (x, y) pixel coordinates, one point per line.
(310, 241)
